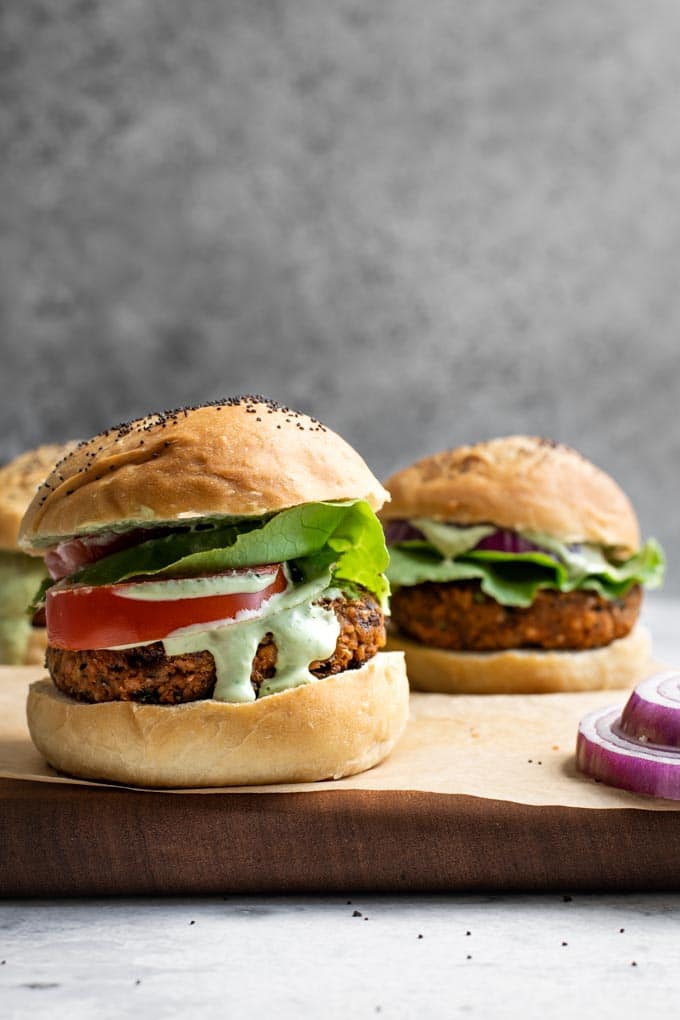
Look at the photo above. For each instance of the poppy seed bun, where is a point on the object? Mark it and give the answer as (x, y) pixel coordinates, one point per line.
(19, 481)
(240, 457)
(622, 663)
(522, 483)
(324, 730)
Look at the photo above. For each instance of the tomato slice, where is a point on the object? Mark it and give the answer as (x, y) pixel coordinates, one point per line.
(85, 618)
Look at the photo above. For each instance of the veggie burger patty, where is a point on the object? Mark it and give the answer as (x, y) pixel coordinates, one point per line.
(459, 616)
(146, 674)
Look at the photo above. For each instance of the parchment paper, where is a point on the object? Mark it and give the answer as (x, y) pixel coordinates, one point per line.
(517, 748)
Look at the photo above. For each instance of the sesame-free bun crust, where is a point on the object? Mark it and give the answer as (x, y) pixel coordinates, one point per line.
(518, 482)
(518, 671)
(324, 730)
(244, 456)
(19, 481)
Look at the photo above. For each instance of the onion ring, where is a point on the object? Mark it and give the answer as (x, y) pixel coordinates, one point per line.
(636, 747)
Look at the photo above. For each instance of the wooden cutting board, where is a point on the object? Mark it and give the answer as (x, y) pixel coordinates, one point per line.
(481, 794)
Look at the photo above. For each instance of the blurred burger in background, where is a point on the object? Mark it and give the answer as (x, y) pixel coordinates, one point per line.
(22, 641)
(516, 566)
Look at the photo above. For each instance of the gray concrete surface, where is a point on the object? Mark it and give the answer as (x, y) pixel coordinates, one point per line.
(477, 957)
(425, 223)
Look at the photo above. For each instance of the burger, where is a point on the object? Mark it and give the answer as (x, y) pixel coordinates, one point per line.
(516, 566)
(22, 640)
(215, 603)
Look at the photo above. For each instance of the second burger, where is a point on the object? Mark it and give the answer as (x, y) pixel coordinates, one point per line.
(516, 567)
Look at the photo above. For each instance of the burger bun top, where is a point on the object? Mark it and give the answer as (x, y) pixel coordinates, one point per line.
(19, 481)
(523, 483)
(238, 457)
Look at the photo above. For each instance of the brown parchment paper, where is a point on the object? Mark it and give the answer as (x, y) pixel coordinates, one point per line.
(517, 748)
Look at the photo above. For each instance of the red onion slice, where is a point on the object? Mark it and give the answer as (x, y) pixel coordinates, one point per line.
(652, 713)
(501, 540)
(70, 556)
(619, 746)
(508, 542)
(401, 531)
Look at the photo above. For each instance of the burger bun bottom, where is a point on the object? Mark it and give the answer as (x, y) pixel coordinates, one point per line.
(331, 728)
(525, 671)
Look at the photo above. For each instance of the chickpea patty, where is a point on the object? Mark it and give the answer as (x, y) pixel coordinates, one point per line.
(148, 675)
(459, 616)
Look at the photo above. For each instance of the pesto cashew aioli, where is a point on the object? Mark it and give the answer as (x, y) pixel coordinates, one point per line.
(513, 576)
(196, 587)
(452, 540)
(304, 632)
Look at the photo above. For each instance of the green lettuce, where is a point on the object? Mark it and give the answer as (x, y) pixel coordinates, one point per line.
(513, 579)
(312, 538)
(19, 574)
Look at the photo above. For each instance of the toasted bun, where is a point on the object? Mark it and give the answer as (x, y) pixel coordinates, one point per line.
(19, 481)
(243, 456)
(619, 664)
(331, 728)
(519, 482)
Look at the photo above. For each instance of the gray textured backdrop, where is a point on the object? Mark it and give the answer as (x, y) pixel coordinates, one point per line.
(424, 222)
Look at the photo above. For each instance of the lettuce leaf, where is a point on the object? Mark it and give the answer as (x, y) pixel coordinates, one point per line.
(312, 537)
(19, 574)
(513, 579)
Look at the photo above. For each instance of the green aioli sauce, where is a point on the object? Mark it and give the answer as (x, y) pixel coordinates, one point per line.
(303, 631)
(197, 587)
(451, 540)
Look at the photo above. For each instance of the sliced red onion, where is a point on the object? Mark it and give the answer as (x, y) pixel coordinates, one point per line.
(68, 557)
(401, 531)
(508, 542)
(499, 541)
(502, 540)
(74, 554)
(637, 747)
(652, 713)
